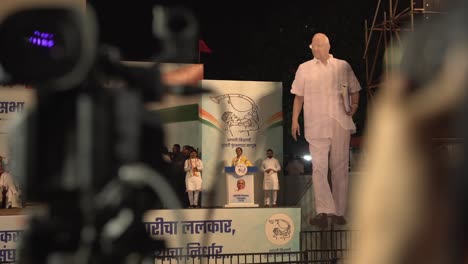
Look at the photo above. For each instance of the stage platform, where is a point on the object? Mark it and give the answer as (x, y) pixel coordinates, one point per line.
(14, 211)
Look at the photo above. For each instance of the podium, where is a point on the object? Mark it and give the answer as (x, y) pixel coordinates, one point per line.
(240, 186)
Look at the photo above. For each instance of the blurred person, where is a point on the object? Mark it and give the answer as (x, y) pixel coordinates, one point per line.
(178, 174)
(186, 149)
(165, 155)
(318, 86)
(193, 178)
(176, 155)
(9, 189)
(2, 162)
(270, 168)
(240, 159)
(295, 167)
(410, 204)
(293, 183)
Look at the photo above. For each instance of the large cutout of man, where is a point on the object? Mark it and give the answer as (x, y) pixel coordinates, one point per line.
(318, 87)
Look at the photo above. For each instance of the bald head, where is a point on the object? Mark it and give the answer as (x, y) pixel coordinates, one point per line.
(320, 47)
(320, 38)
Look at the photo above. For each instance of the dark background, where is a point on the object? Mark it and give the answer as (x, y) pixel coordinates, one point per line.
(250, 40)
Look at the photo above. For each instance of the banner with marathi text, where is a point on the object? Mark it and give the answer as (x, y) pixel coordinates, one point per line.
(11, 231)
(225, 231)
(14, 101)
(246, 114)
(196, 232)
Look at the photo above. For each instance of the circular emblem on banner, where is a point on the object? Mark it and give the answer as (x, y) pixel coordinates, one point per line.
(241, 169)
(279, 229)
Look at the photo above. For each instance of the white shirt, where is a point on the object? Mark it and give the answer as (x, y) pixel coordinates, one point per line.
(12, 195)
(190, 164)
(270, 164)
(193, 179)
(321, 86)
(270, 179)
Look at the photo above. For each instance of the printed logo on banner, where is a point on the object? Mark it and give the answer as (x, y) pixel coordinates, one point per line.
(279, 229)
(240, 115)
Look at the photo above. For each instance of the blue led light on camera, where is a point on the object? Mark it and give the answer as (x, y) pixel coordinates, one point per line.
(42, 39)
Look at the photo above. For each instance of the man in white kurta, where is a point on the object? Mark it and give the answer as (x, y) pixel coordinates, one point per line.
(193, 178)
(318, 87)
(270, 168)
(12, 193)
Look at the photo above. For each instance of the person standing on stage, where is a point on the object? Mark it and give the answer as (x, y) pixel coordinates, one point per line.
(178, 174)
(9, 190)
(270, 168)
(319, 86)
(186, 149)
(240, 159)
(193, 180)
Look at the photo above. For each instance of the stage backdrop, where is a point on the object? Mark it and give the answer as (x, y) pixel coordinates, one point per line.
(14, 101)
(179, 114)
(246, 114)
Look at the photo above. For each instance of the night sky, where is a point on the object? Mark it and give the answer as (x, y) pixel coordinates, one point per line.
(250, 40)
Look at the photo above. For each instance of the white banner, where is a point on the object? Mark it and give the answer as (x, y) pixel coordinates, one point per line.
(197, 231)
(225, 231)
(244, 114)
(14, 101)
(11, 230)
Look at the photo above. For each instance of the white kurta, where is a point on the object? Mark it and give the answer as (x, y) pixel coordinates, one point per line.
(270, 180)
(193, 179)
(321, 86)
(12, 195)
(327, 128)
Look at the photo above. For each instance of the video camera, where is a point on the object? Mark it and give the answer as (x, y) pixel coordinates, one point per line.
(89, 150)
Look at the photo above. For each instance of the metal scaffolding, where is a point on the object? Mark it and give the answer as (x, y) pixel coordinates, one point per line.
(389, 22)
